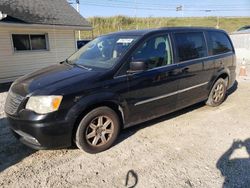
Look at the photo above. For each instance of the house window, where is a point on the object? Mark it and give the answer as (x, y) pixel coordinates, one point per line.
(30, 42)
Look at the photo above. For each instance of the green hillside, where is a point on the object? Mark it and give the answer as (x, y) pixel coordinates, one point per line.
(103, 25)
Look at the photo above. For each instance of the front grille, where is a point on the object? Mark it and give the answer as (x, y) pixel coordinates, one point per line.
(13, 102)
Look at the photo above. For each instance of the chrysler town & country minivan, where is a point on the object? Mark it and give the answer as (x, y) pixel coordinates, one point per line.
(119, 80)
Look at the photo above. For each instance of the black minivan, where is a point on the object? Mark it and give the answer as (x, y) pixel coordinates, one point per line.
(119, 80)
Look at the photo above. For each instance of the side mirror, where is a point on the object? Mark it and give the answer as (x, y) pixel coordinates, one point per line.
(137, 66)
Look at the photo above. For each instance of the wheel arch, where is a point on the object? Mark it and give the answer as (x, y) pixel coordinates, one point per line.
(86, 105)
(225, 74)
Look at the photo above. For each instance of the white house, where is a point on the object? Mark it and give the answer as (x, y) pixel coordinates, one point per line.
(35, 34)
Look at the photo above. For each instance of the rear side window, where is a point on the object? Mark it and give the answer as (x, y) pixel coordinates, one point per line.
(190, 45)
(219, 43)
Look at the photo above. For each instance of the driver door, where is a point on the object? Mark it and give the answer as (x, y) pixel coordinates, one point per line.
(153, 92)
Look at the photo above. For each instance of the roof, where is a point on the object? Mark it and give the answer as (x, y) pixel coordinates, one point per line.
(242, 31)
(147, 31)
(46, 12)
(244, 28)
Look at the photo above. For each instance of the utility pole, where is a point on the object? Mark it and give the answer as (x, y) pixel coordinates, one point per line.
(218, 22)
(78, 10)
(180, 8)
(77, 2)
(136, 14)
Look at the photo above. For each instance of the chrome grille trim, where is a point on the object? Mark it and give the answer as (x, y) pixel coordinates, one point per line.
(12, 103)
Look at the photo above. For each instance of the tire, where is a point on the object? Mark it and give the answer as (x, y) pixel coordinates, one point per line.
(218, 93)
(98, 130)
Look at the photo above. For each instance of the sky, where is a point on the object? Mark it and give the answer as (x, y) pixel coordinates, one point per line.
(164, 8)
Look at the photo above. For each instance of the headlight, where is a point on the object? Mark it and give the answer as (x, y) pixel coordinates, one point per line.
(44, 104)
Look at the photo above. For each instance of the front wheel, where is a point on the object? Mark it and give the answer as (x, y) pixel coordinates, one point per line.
(98, 130)
(218, 93)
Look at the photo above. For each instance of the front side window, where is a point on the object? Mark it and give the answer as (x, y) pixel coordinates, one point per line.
(155, 52)
(103, 52)
(190, 45)
(219, 43)
(29, 42)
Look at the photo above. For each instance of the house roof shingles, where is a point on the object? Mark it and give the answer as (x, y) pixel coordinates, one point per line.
(47, 12)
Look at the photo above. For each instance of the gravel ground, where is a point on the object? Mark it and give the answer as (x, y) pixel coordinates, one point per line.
(195, 147)
(2, 102)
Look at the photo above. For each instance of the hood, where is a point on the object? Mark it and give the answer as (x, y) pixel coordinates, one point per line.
(51, 77)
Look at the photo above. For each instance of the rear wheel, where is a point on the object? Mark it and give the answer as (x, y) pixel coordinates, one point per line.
(98, 130)
(218, 93)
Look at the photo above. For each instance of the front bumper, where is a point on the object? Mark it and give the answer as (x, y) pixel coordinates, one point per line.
(45, 134)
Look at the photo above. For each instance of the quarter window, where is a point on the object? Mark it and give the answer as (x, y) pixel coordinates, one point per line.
(219, 43)
(25, 42)
(190, 45)
(155, 52)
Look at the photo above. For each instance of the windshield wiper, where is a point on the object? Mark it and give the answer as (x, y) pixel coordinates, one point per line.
(67, 62)
(82, 66)
(78, 65)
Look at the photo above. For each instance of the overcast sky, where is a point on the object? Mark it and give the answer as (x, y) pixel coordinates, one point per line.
(165, 8)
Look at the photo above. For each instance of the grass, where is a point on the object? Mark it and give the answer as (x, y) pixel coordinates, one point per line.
(103, 25)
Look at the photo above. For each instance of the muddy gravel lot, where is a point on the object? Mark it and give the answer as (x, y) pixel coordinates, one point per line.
(199, 146)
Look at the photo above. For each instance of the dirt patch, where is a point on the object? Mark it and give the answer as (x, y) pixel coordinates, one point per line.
(195, 147)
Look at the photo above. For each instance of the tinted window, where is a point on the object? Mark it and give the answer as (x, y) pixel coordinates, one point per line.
(190, 45)
(22, 42)
(219, 43)
(155, 52)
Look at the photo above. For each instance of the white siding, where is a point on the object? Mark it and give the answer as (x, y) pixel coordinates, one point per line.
(241, 43)
(15, 64)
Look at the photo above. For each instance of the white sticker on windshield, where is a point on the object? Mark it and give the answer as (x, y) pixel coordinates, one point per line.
(124, 40)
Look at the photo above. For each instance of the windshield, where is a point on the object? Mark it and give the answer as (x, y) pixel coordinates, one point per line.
(103, 52)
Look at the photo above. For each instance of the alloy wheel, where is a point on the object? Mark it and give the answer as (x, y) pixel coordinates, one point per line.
(218, 93)
(99, 131)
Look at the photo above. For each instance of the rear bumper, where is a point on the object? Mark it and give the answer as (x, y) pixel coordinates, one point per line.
(42, 135)
(232, 79)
